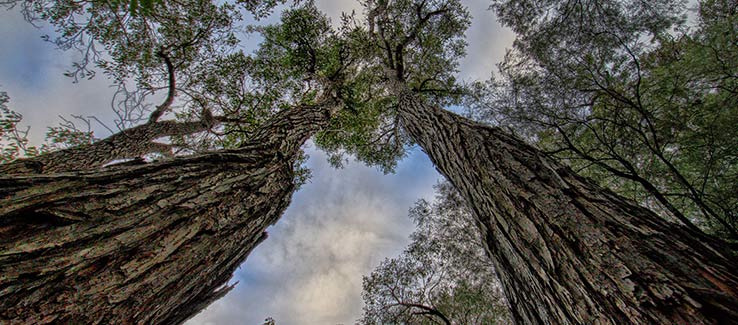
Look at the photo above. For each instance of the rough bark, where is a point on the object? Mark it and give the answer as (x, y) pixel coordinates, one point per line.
(129, 143)
(568, 251)
(152, 243)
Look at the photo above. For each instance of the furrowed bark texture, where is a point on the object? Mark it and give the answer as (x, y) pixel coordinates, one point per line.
(568, 251)
(129, 143)
(147, 244)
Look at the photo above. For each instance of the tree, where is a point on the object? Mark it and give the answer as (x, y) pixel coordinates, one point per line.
(156, 242)
(443, 276)
(566, 250)
(611, 88)
(153, 242)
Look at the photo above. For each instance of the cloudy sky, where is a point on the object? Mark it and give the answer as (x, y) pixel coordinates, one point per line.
(339, 226)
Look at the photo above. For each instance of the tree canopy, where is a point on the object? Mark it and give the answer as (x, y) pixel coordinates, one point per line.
(629, 95)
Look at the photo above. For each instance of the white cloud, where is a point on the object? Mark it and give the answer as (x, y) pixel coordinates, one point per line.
(31, 72)
(487, 42)
(339, 227)
(334, 8)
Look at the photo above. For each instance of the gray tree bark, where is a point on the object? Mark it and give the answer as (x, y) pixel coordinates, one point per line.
(568, 251)
(152, 243)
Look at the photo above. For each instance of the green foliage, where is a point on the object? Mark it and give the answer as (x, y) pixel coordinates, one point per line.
(261, 8)
(186, 30)
(302, 172)
(293, 65)
(421, 41)
(13, 141)
(303, 58)
(183, 48)
(132, 31)
(170, 50)
(61, 137)
(366, 128)
(137, 7)
(302, 46)
(444, 269)
(695, 87)
(300, 59)
(620, 94)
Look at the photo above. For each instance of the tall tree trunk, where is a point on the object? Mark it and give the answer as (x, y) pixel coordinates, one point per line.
(568, 251)
(152, 243)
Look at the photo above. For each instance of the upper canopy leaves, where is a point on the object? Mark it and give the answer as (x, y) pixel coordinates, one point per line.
(421, 41)
(418, 43)
(620, 90)
(189, 47)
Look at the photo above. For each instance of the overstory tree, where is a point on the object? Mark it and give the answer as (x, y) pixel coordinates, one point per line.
(156, 241)
(567, 251)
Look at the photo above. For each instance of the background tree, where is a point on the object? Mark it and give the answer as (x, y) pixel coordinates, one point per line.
(443, 276)
(617, 91)
(566, 250)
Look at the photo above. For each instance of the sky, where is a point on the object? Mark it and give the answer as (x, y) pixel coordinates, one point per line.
(340, 225)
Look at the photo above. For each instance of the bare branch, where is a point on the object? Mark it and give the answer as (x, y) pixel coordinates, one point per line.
(161, 109)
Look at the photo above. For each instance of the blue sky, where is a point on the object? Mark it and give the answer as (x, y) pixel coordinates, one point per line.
(338, 227)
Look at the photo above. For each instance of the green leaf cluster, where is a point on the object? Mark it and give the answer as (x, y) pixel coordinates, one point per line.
(13, 141)
(628, 95)
(422, 41)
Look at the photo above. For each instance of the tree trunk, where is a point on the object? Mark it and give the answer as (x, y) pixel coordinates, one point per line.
(151, 243)
(568, 251)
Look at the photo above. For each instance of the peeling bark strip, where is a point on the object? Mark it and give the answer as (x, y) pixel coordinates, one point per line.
(568, 251)
(146, 244)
